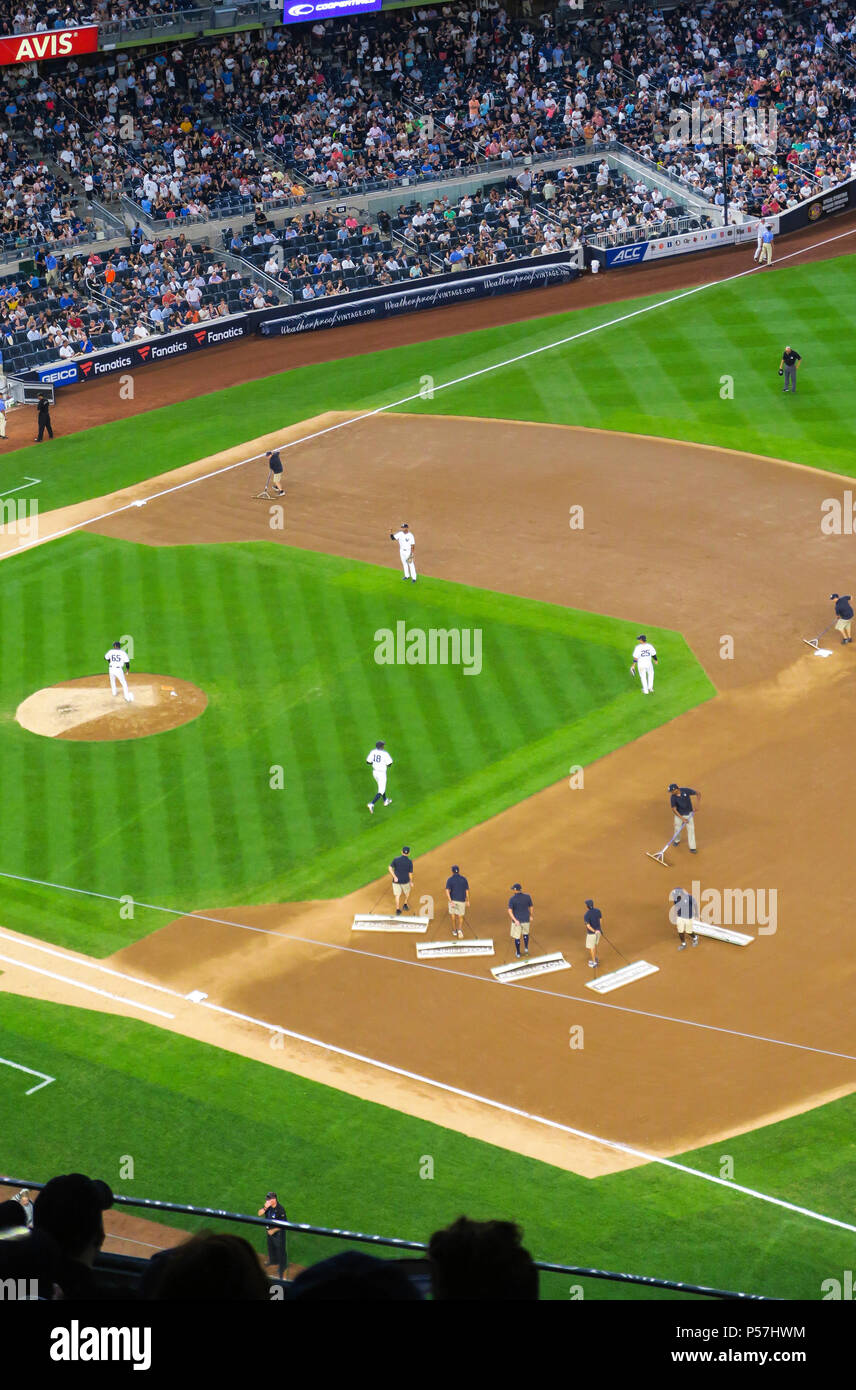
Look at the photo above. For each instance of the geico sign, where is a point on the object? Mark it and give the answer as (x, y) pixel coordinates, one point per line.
(35, 48)
(57, 374)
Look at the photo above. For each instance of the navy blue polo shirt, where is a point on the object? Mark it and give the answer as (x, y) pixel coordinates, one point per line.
(844, 608)
(402, 867)
(680, 800)
(457, 886)
(592, 919)
(521, 905)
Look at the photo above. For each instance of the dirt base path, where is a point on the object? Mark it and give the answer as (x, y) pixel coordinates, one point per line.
(80, 407)
(722, 1038)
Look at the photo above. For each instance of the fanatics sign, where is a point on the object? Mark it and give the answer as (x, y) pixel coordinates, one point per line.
(58, 43)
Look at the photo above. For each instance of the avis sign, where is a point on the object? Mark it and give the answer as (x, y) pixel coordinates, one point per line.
(38, 48)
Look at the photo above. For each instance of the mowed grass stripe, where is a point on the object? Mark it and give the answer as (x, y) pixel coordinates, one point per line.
(188, 818)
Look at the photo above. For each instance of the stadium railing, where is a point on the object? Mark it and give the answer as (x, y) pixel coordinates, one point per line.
(147, 1205)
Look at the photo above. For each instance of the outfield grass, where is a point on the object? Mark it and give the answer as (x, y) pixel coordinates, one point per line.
(208, 1128)
(658, 373)
(282, 641)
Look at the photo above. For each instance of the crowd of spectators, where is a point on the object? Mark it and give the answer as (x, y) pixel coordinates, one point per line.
(70, 306)
(36, 16)
(316, 256)
(53, 1245)
(356, 104)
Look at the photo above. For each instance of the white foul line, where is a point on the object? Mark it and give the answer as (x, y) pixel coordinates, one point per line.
(417, 395)
(90, 989)
(176, 913)
(276, 1028)
(4, 1061)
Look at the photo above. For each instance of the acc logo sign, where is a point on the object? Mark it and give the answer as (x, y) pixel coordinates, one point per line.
(627, 254)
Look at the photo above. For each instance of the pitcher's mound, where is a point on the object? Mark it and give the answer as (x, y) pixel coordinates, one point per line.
(85, 709)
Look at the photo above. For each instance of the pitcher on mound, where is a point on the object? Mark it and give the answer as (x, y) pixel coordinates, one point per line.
(117, 657)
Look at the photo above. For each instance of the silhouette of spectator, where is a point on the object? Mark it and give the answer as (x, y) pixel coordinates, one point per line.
(481, 1260)
(352, 1276)
(70, 1210)
(209, 1266)
(12, 1216)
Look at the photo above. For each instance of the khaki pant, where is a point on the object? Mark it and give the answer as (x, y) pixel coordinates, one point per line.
(843, 626)
(2, 424)
(456, 909)
(766, 256)
(690, 829)
(399, 888)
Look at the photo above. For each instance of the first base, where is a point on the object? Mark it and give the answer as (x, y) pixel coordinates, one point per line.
(818, 650)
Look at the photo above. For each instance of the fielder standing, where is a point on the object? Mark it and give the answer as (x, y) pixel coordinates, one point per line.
(406, 546)
(680, 801)
(118, 658)
(379, 760)
(644, 661)
(759, 240)
(401, 871)
(520, 910)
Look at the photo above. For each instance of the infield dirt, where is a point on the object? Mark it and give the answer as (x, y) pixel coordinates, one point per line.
(726, 548)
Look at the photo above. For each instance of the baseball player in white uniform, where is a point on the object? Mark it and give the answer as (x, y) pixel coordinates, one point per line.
(759, 241)
(406, 546)
(117, 657)
(379, 760)
(644, 661)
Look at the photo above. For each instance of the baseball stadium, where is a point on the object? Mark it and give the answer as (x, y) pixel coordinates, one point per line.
(488, 932)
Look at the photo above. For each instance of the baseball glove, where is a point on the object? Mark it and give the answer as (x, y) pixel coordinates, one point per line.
(781, 371)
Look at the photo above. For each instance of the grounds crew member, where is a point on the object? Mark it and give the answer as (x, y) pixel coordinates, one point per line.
(843, 616)
(788, 368)
(520, 908)
(458, 895)
(401, 870)
(274, 477)
(681, 803)
(682, 913)
(592, 918)
(274, 1209)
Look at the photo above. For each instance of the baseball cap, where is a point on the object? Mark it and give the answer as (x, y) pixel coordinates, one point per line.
(516, 887)
(673, 786)
(641, 637)
(269, 1194)
(405, 849)
(69, 1208)
(455, 869)
(589, 902)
